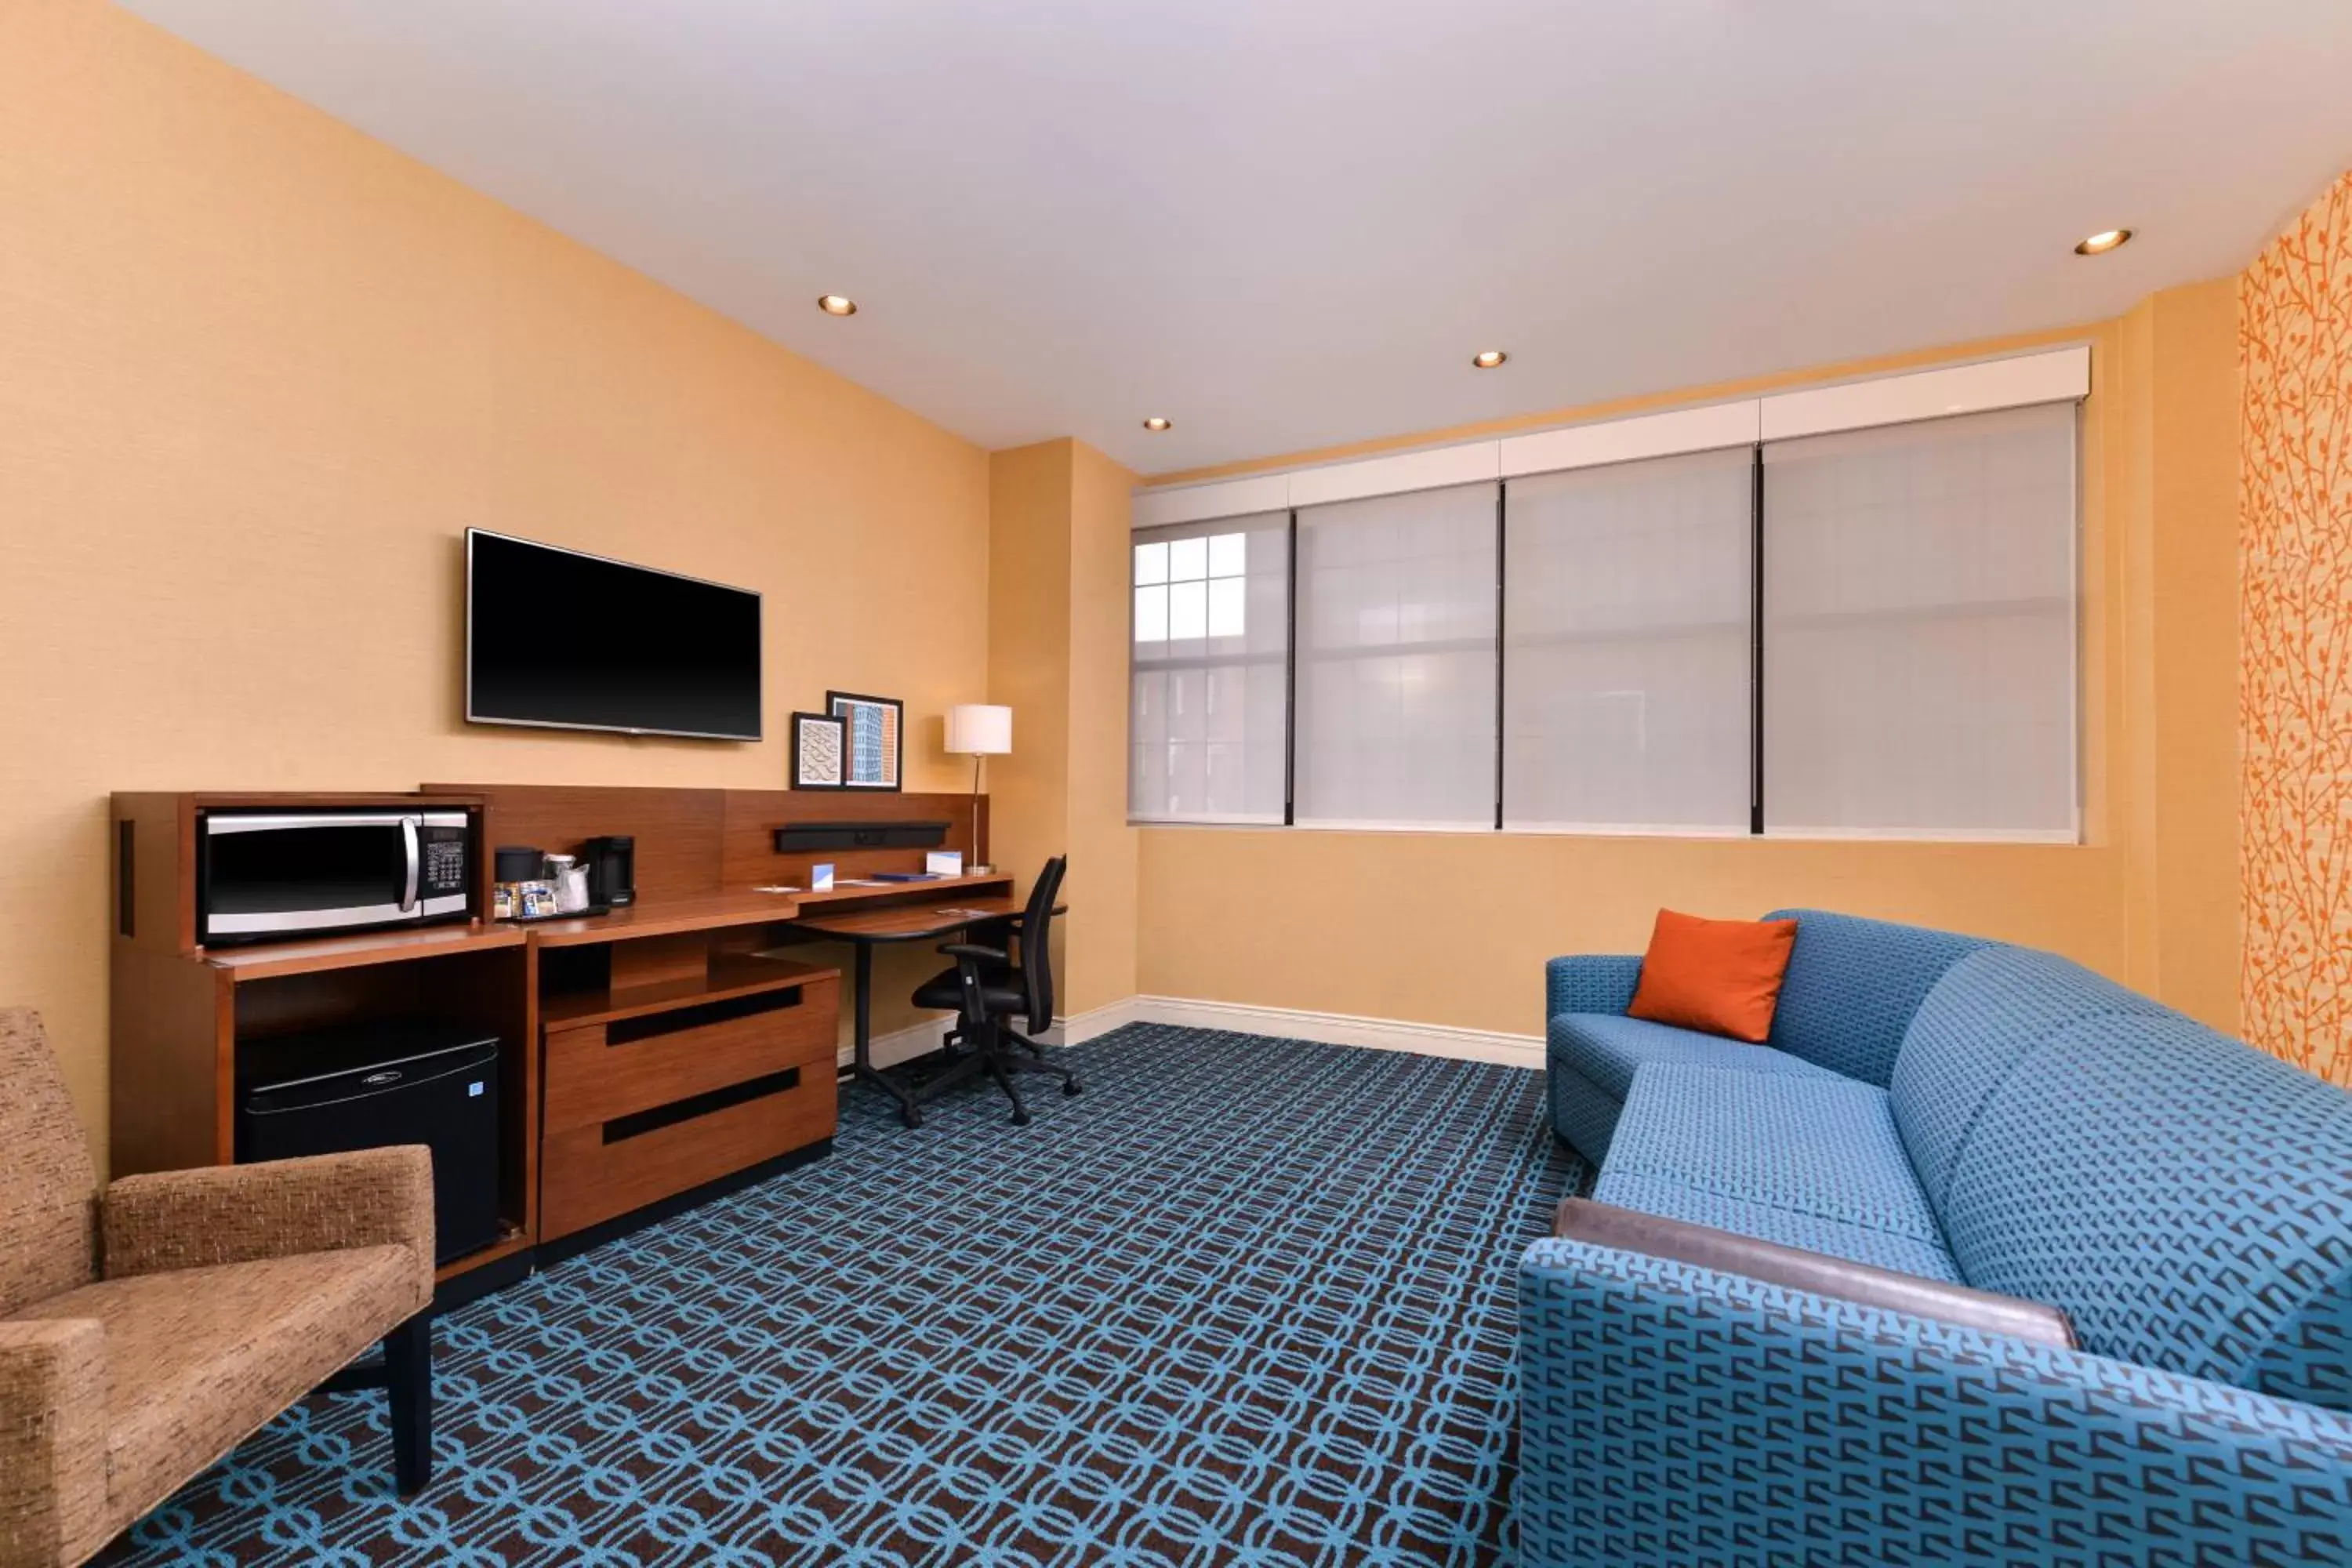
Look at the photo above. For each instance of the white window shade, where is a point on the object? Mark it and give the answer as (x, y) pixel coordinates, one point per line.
(1210, 671)
(1919, 628)
(1626, 619)
(1396, 660)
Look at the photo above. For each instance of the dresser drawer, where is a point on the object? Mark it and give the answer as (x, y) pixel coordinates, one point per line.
(601, 1071)
(592, 1173)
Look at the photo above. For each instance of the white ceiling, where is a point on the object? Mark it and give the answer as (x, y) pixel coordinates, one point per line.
(1289, 222)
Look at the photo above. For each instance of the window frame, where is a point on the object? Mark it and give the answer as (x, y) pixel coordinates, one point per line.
(1799, 421)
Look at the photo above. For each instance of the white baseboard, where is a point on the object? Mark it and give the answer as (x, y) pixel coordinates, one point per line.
(1330, 1028)
(1290, 1023)
(904, 1044)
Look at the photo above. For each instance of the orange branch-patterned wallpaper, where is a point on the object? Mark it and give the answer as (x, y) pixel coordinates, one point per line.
(2294, 682)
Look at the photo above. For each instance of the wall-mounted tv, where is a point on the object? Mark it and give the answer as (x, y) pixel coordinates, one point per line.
(567, 641)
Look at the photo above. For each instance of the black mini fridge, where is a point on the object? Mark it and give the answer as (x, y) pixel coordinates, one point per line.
(328, 1090)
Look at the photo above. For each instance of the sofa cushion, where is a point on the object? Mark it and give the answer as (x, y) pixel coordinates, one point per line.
(1607, 1050)
(1722, 977)
(197, 1358)
(1672, 1199)
(2186, 1199)
(1854, 985)
(1982, 1018)
(1805, 1161)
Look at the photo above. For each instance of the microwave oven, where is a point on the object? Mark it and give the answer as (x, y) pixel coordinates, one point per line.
(263, 874)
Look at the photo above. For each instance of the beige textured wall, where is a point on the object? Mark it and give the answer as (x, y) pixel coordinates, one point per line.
(1057, 657)
(1453, 928)
(258, 373)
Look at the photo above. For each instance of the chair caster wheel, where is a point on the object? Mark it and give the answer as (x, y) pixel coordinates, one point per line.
(1072, 1088)
(1020, 1119)
(911, 1118)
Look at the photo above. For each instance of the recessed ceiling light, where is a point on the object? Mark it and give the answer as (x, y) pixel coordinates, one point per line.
(837, 304)
(1156, 423)
(2107, 239)
(1488, 359)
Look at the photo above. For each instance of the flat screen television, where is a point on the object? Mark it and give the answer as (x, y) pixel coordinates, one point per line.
(567, 641)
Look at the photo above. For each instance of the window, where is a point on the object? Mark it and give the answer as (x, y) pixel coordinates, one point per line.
(1847, 610)
(1208, 706)
(1627, 604)
(1919, 628)
(1396, 659)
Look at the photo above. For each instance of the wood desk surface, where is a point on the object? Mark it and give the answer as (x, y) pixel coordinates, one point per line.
(907, 922)
(936, 890)
(666, 916)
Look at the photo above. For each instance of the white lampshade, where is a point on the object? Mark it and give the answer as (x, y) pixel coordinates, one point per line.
(978, 730)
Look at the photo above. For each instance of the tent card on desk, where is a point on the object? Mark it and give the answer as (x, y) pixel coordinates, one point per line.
(944, 862)
(820, 878)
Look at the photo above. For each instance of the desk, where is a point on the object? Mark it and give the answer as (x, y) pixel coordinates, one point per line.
(865, 930)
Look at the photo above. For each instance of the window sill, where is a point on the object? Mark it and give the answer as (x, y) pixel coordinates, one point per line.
(2054, 840)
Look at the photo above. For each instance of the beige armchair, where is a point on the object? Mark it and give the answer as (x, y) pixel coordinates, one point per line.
(146, 1330)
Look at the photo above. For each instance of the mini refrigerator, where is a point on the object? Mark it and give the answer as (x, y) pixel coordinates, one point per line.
(325, 1091)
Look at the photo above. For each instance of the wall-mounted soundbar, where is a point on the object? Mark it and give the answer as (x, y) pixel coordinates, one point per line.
(800, 837)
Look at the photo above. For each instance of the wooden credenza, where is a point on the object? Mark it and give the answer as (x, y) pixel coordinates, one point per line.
(649, 1057)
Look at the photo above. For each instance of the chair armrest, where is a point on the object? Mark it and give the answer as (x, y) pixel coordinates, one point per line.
(1794, 1269)
(1590, 982)
(53, 1421)
(237, 1213)
(963, 950)
(1675, 1414)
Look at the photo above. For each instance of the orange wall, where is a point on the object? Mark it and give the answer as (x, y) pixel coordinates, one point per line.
(1452, 929)
(257, 373)
(1057, 657)
(2295, 684)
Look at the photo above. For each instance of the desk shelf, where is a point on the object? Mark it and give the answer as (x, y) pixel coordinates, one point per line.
(730, 976)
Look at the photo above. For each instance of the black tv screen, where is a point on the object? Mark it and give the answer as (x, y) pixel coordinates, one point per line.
(556, 638)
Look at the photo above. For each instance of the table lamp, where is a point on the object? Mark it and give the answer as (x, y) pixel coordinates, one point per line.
(978, 730)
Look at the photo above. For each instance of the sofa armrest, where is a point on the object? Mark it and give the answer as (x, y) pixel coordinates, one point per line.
(1675, 1413)
(237, 1213)
(1794, 1269)
(1590, 982)
(53, 1420)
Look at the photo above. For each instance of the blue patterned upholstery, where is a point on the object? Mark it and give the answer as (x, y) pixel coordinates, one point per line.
(1988, 1011)
(1580, 1113)
(2186, 1198)
(1592, 1056)
(1607, 1050)
(1671, 1414)
(1806, 1161)
(1853, 987)
(1671, 1199)
(1590, 982)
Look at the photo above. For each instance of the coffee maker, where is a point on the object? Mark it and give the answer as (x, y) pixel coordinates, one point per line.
(611, 862)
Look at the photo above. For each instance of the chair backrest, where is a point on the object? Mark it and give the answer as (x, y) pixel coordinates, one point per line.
(48, 1188)
(1853, 987)
(1037, 943)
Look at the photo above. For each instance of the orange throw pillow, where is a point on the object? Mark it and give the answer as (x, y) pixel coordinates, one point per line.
(1721, 977)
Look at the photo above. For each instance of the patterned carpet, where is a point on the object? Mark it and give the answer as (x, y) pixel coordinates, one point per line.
(1247, 1300)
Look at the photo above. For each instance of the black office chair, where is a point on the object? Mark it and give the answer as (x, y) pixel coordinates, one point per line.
(986, 990)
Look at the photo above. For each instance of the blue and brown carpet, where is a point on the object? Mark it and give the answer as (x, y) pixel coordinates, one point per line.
(1246, 1301)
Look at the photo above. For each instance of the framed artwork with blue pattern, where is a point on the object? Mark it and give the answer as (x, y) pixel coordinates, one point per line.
(875, 738)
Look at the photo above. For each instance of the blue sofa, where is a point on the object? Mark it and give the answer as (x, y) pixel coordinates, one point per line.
(1965, 1111)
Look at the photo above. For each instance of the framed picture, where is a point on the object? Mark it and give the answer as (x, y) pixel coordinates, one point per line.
(819, 745)
(875, 743)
